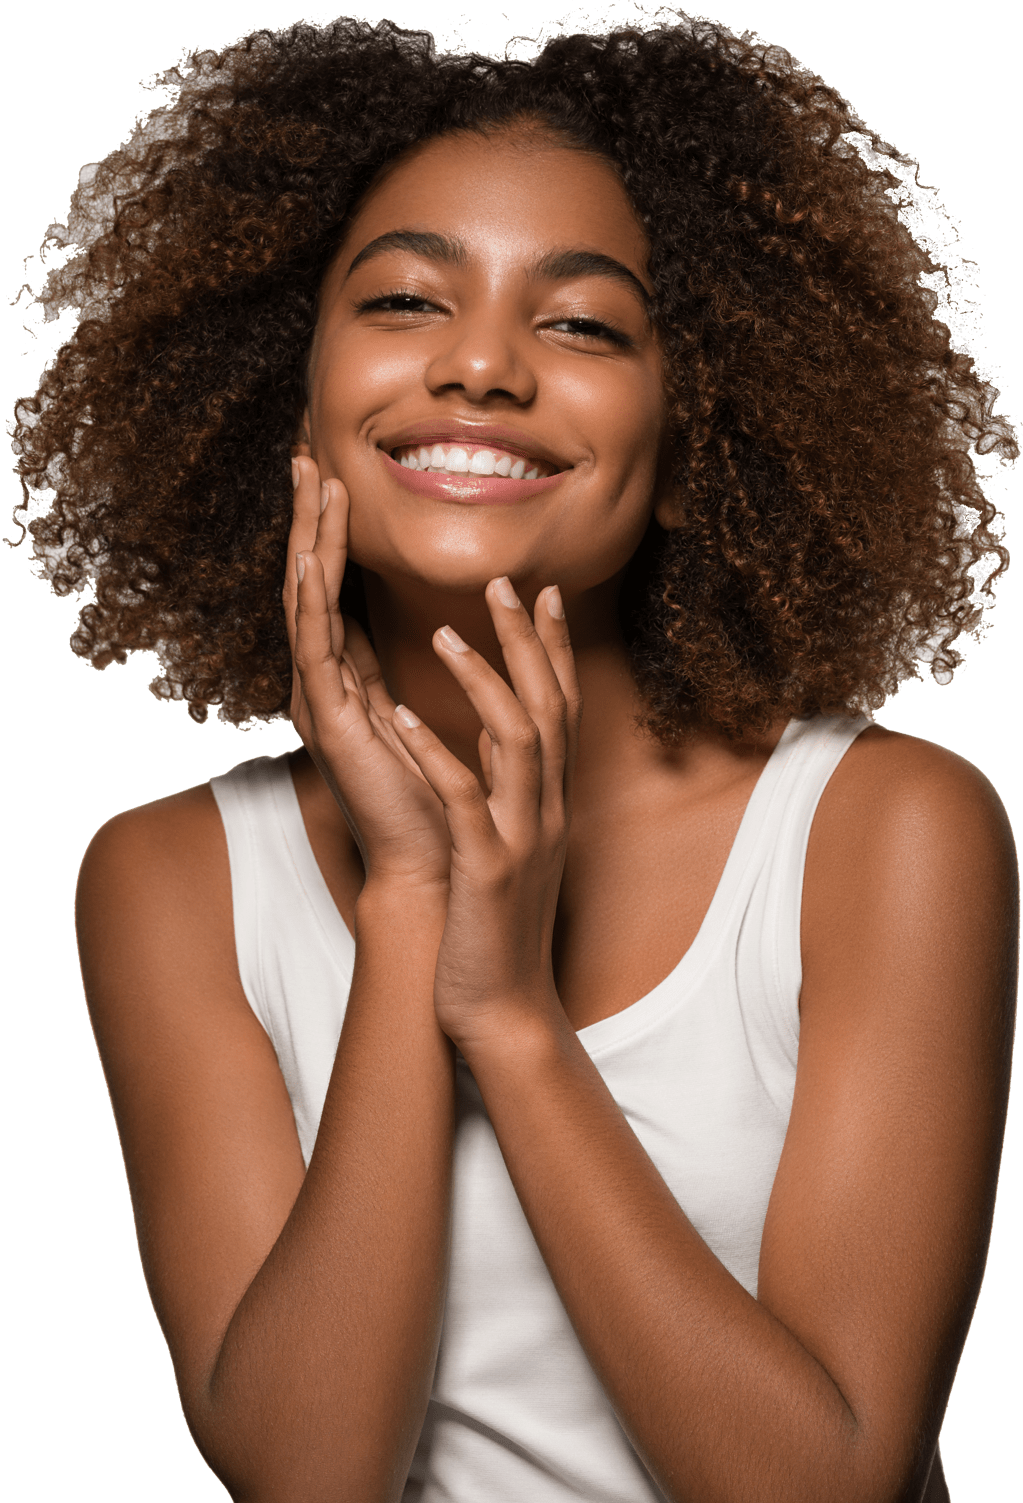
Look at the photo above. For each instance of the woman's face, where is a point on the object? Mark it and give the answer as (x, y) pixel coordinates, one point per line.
(489, 297)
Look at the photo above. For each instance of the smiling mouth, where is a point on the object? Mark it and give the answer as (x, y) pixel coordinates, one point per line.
(470, 459)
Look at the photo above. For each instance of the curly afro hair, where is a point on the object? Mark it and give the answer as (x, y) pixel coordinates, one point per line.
(829, 515)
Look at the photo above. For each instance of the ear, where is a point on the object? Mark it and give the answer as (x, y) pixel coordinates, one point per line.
(666, 510)
(667, 493)
(300, 444)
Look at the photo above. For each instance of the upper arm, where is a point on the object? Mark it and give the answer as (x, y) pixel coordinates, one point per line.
(206, 1126)
(878, 1225)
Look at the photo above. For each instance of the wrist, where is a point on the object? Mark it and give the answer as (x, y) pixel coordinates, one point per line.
(527, 1031)
(401, 901)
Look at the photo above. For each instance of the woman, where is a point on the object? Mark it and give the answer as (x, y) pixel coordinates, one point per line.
(564, 1181)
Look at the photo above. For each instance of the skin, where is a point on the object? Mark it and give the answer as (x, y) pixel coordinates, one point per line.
(544, 866)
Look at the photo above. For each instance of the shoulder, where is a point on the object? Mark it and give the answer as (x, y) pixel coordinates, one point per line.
(154, 916)
(181, 834)
(895, 800)
(910, 873)
(154, 899)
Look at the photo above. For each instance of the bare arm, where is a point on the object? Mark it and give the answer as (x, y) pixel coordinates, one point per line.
(302, 1309)
(832, 1383)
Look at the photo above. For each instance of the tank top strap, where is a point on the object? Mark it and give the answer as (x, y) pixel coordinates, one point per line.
(761, 939)
(278, 893)
(774, 882)
(780, 811)
(295, 955)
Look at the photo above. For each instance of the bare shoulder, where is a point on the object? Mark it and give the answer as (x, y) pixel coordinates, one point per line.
(910, 889)
(906, 777)
(182, 832)
(902, 810)
(154, 914)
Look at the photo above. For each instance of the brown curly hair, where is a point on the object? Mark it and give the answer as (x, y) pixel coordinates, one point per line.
(829, 513)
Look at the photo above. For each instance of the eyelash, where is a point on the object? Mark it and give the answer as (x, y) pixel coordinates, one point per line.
(590, 328)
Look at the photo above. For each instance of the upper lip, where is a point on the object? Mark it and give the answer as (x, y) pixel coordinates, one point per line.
(452, 430)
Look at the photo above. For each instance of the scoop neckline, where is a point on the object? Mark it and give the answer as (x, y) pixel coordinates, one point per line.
(637, 1015)
(613, 1030)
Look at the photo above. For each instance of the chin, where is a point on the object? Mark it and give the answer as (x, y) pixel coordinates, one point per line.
(454, 563)
(445, 577)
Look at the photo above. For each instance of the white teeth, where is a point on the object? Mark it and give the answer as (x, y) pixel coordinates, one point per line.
(456, 460)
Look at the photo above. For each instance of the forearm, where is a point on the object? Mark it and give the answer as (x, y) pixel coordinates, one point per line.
(720, 1399)
(322, 1380)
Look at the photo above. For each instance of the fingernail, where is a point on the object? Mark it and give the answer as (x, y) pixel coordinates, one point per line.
(324, 497)
(452, 640)
(300, 565)
(296, 475)
(505, 592)
(403, 714)
(555, 604)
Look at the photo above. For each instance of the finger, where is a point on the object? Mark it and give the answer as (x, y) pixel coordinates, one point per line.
(381, 727)
(384, 729)
(305, 516)
(360, 658)
(552, 629)
(466, 810)
(535, 681)
(331, 547)
(322, 678)
(515, 758)
(359, 648)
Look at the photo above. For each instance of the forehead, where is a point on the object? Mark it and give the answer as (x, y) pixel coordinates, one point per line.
(507, 197)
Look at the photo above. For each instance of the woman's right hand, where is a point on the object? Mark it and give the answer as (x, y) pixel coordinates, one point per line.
(340, 705)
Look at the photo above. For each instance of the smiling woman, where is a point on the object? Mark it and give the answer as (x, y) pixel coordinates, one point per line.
(546, 1082)
(531, 334)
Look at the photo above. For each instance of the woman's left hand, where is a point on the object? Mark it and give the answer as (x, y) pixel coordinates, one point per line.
(494, 969)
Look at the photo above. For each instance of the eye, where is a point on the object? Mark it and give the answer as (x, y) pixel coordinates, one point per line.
(398, 301)
(591, 328)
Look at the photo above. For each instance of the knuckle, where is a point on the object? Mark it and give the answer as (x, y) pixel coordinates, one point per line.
(525, 739)
(310, 656)
(555, 709)
(465, 788)
(523, 628)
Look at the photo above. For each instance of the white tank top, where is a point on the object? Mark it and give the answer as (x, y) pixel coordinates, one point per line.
(703, 1068)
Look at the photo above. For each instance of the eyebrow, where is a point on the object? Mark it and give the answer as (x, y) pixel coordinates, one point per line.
(553, 266)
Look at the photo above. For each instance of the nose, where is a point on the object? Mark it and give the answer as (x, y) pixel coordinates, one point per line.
(483, 355)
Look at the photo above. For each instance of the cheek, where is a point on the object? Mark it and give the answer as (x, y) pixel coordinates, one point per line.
(622, 411)
(354, 379)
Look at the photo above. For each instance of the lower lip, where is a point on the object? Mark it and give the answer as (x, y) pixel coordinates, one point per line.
(478, 490)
